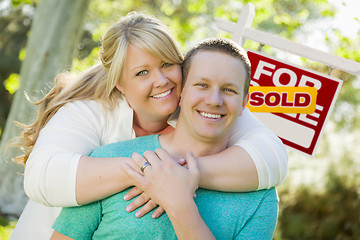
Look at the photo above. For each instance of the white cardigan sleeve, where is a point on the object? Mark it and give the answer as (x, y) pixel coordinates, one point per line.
(75, 130)
(264, 147)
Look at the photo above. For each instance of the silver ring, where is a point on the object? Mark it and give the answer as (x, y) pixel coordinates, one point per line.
(144, 166)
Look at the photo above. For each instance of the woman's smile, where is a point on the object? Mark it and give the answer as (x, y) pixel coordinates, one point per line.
(163, 94)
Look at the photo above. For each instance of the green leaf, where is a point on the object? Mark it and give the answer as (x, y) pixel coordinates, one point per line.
(83, 64)
(12, 83)
(22, 54)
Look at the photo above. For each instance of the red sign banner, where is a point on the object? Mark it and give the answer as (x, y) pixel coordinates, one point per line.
(300, 131)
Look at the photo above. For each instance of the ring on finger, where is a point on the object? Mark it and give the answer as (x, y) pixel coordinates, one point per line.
(144, 166)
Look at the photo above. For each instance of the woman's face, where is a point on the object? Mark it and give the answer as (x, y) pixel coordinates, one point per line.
(151, 86)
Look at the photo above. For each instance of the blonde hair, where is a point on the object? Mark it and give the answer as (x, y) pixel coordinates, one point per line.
(99, 81)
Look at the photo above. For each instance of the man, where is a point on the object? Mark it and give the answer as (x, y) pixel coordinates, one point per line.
(216, 76)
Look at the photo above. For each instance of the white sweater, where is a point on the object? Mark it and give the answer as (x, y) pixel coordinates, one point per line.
(79, 127)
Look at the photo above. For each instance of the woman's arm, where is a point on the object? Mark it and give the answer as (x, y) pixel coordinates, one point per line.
(231, 170)
(98, 178)
(187, 222)
(70, 135)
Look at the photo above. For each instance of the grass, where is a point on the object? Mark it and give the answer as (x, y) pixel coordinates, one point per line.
(6, 228)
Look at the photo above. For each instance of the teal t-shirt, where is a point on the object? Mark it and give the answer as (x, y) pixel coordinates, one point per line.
(250, 215)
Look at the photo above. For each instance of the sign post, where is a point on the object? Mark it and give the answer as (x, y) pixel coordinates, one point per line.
(298, 130)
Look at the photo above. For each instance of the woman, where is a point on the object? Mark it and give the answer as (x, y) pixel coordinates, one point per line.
(90, 111)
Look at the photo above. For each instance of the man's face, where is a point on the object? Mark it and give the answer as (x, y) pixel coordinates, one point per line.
(212, 97)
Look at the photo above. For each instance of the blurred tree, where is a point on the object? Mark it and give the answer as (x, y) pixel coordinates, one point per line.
(15, 26)
(15, 22)
(348, 107)
(333, 213)
(54, 36)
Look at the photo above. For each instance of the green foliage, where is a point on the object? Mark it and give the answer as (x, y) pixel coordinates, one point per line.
(346, 47)
(80, 65)
(3, 221)
(6, 228)
(22, 54)
(348, 105)
(19, 3)
(333, 213)
(284, 17)
(13, 36)
(12, 83)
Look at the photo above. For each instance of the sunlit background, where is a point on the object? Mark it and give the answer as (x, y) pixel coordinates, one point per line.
(320, 197)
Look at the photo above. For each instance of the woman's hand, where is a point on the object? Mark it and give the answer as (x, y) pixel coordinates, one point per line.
(165, 181)
(172, 186)
(143, 199)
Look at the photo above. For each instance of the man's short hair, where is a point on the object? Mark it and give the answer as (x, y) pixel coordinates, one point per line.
(223, 45)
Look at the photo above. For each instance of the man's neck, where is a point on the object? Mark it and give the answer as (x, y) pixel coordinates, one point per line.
(178, 142)
(150, 127)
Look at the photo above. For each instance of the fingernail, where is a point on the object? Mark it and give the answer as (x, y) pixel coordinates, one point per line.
(154, 215)
(138, 214)
(126, 197)
(128, 208)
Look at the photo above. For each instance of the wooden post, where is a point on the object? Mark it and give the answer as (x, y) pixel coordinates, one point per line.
(245, 21)
(241, 30)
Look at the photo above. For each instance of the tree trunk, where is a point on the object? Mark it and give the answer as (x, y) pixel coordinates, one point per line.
(54, 35)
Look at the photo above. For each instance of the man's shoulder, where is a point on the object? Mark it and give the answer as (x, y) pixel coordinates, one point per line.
(127, 148)
(252, 197)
